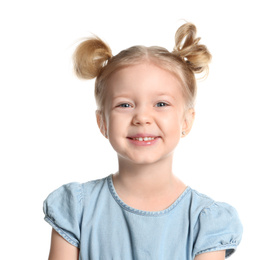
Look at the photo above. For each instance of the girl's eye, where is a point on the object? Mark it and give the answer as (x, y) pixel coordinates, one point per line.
(161, 104)
(124, 105)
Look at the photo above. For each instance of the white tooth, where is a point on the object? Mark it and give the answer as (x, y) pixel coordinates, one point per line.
(143, 138)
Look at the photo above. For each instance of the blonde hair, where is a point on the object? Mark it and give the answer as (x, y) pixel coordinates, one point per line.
(93, 59)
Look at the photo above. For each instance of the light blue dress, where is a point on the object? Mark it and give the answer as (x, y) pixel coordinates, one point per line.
(93, 218)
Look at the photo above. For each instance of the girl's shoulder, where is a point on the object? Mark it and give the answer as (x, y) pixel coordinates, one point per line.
(76, 189)
(217, 224)
(64, 207)
(204, 202)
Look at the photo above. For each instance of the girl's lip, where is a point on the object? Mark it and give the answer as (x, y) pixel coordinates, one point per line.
(142, 135)
(144, 143)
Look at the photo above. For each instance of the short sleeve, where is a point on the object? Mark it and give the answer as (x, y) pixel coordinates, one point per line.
(218, 228)
(63, 209)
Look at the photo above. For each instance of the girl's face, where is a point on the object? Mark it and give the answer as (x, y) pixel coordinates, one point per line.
(145, 113)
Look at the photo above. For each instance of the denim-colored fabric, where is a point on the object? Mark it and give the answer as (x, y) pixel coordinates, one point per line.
(92, 217)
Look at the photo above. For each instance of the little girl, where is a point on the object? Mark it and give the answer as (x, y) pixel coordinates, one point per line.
(145, 98)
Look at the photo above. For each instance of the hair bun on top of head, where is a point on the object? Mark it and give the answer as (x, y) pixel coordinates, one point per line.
(188, 48)
(90, 57)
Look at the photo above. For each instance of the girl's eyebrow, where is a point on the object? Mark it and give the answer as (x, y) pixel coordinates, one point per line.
(124, 95)
(121, 96)
(165, 94)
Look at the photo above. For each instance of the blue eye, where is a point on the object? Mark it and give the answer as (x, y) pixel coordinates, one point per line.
(124, 105)
(161, 104)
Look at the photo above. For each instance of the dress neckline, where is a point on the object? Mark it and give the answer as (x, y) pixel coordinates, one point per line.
(126, 207)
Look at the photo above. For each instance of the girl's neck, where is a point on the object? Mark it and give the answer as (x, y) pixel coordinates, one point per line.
(146, 180)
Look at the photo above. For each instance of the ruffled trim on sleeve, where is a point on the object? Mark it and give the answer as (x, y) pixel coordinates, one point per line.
(218, 228)
(62, 233)
(63, 210)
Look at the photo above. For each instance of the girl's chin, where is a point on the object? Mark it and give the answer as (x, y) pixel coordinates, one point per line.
(144, 160)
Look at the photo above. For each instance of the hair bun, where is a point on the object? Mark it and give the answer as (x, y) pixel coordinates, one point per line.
(188, 48)
(90, 57)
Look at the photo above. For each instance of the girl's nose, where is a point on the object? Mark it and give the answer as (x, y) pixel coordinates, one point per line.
(142, 118)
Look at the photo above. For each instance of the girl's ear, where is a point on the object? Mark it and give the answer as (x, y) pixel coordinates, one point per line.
(188, 121)
(101, 123)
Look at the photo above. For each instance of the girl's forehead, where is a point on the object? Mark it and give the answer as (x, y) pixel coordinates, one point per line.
(145, 77)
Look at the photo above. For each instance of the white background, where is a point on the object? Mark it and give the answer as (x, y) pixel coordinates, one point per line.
(48, 131)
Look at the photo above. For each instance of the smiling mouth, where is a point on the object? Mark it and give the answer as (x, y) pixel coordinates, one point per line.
(143, 139)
